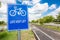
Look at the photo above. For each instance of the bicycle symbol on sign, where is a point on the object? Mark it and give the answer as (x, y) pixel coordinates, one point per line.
(17, 11)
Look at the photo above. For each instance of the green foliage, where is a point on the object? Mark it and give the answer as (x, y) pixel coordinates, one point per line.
(45, 19)
(48, 19)
(41, 21)
(11, 35)
(34, 21)
(56, 28)
(58, 16)
(2, 22)
(0, 4)
(3, 34)
(58, 19)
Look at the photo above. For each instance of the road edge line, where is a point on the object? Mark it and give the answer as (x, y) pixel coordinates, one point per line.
(36, 35)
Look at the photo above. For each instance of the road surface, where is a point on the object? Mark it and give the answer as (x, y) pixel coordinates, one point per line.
(45, 34)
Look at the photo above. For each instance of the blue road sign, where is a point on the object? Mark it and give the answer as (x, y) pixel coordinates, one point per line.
(17, 17)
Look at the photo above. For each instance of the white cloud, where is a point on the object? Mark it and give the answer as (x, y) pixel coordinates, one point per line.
(27, 2)
(33, 16)
(35, 1)
(8, 1)
(55, 12)
(3, 12)
(4, 18)
(3, 8)
(53, 6)
(37, 10)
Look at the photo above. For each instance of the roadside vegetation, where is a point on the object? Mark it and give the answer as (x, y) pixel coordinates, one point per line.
(2, 26)
(5, 35)
(27, 35)
(2, 23)
(48, 19)
(55, 28)
(12, 35)
(0, 4)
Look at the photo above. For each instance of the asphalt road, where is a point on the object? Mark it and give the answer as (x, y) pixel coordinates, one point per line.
(45, 34)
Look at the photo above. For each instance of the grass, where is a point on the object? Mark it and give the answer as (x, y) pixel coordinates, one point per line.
(8, 35)
(52, 27)
(2, 24)
(25, 35)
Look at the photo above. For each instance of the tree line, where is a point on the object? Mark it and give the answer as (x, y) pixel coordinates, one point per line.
(2, 23)
(47, 19)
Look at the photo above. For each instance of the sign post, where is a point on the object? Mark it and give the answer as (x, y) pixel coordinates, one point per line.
(17, 18)
(19, 32)
(19, 35)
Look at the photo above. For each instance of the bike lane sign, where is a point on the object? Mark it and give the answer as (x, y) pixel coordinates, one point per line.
(17, 17)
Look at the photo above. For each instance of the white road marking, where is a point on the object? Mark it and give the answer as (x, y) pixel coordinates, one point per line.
(36, 34)
(43, 33)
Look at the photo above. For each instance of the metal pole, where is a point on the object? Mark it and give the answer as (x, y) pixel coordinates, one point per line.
(19, 35)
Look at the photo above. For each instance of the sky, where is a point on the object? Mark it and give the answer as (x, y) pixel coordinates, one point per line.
(36, 8)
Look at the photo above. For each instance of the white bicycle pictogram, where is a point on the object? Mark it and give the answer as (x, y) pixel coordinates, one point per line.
(20, 12)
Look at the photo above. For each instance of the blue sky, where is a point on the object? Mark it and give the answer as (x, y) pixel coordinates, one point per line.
(37, 8)
(50, 2)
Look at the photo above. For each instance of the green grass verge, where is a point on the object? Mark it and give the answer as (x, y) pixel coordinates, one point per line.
(25, 35)
(51, 27)
(8, 35)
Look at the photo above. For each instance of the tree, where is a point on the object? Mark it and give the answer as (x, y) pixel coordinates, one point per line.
(41, 21)
(48, 19)
(0, 4)
(2, 22)
(32, 21)
(58, 17)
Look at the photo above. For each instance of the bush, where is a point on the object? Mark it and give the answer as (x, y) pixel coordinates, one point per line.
(3, 34)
